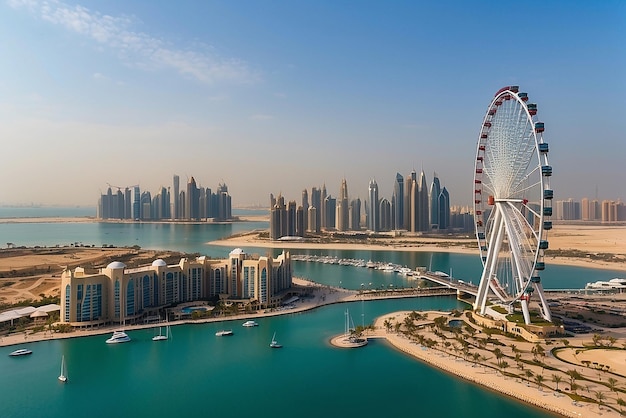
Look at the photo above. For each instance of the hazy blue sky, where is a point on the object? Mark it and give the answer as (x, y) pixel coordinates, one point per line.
(274, 96)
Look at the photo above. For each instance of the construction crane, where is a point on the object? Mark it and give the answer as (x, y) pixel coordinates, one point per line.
(122, 187)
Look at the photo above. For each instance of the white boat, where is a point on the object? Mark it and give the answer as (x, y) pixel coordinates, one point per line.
(118, 337)
(20, 352)
(274, 343)
(613, 284)
(63, 375)
(249, 324)
(162, 337)
(224, 333)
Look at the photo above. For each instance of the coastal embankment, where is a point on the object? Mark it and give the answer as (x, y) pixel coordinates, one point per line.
(597, 247)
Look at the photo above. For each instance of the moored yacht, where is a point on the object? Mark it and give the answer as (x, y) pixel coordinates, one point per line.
(613, 284)
(118, 337)
(274, 343)
(162, 337)
(250, 324)
(20, 352)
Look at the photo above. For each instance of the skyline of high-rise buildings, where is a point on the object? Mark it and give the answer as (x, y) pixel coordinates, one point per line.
(192, 204)
(412, 208)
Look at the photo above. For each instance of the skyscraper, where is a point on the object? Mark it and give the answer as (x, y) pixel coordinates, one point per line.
(291, 218)
(176, 197)
(435, 190)
(224, 203)
(278, 218)
(128, 212)
(305, 210)
(372, 207)
(355, 214)
(397, 203)
(136, 204)
(409, 223)
(323, 215)
(444, 209)
(422, 203)
(330, 205)
(312, 222)
(385, 215)
(343, 208)
(192, 205)
(316, 202)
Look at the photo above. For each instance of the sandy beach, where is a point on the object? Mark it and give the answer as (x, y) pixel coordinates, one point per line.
(513, 383)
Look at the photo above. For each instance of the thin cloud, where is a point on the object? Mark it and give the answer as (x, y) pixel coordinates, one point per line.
(138, 48)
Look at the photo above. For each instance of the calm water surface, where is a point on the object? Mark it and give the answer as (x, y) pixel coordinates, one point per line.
(197, 373)
(200, 374)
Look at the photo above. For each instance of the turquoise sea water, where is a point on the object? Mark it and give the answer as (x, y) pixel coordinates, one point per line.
(200, 374)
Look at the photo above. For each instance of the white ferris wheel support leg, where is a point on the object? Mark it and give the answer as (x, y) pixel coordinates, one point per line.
(514, 244)
(525, 311)
(490, 263)
(547, 315)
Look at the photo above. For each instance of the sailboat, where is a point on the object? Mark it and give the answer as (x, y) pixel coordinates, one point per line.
(162, 337)
(63, 375)
(274, 343)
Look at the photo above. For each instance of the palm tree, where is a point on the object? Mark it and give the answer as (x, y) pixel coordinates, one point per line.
(612, 381)
(484, 359)
(539, 380)
(504, 365)
(476, 357)
(538, 351)
(387, 325)
(529, 374)
(513, 348)
(573, 377)
(597, 339)
(600, 397)
(498, 353)
(556, 379)
(621, 404)
(408, 323)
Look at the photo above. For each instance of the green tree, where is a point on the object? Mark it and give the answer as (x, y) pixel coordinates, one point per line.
(528, 374)
(539, 380)
(498, 353)
(387, 324)
(504, 365)
(573, 377)
(600, 397)
(556, 379)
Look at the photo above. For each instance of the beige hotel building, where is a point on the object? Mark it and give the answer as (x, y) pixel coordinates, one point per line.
(117, 295)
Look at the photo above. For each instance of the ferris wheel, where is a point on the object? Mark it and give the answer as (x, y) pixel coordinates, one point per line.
(512, 202)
